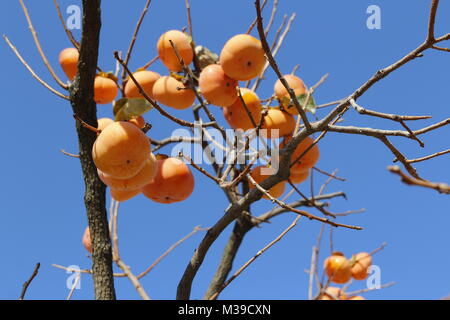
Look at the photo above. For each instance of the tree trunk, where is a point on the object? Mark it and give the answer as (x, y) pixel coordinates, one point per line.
(82, 101)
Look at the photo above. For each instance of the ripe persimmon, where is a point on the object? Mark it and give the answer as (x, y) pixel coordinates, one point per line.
(338, 268)
(257, 175)
(362, 262)
(308, 160)
(146, 80)
(121, 150)
(105, 90)
(333, 293)
(138, 122)
(86, 240)
(281, 93)
(102, 123)
(242, 57)
(356, 298)
(173, 182)
(123, 195)
(277, 119)
(218, 88)
(172, 93)
(167, 54)
(236, 115)
(299, 177)
(68, 59)
(143, 177)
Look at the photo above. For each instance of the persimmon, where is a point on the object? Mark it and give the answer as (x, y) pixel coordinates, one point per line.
(172, 93)
(105, 90)
(68, 59)
(138, 122)
(277, 119)
(218, 88)
(143, 177)
(86, 240)
(242, 57)
(167, 54)
(236, 115)
(338, 268)
(121, 150)
(102, 123)
(333, 293)
(362, 262)
(296, 84)
(308, 160)
(123, 195)
(146, 80)
(173, 182)
(299, 177)
(257, 175)
(356, 298)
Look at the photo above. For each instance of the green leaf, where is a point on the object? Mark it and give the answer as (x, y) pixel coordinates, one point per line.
(128, 108)
(310, 106)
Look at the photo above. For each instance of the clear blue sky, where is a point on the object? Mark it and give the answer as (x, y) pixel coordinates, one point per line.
(41, 198)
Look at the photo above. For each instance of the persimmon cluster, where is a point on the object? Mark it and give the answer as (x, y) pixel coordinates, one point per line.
(122, 151)
(340, 270)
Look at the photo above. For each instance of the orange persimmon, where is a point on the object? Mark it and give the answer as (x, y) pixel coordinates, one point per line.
(172, 93)
(167, 54)
(173, 182)
(242, 57)
(121, 150)
(218, 88)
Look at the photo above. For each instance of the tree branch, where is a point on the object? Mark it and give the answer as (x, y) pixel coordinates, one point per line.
(81, 97)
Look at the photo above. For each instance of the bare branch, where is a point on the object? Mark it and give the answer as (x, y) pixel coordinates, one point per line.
(68, 32)
(437, 154)
(274, 66)
(440, 187)
(134, 37)
(172, 247)
(300, 212)
(22, 60)
(116, 256)
(259, 253)
(27, 283)
(39, 48)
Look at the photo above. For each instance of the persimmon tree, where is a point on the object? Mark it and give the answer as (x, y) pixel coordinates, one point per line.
(199, 80)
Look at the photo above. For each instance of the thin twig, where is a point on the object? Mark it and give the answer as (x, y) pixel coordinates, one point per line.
(68, 32)
(74, 286)
(383, 286)
(259, 253)
(171, 248)
(22, 60)
(437, 154)
(148, 64)
(134, 37)
(116, 258)
(440, 187)
(300, 212)
(39, 47)
(69, 154)
(27, 283)
(274, 66)
(329, 174)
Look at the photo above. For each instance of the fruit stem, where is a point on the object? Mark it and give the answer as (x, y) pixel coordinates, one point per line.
(86, 125)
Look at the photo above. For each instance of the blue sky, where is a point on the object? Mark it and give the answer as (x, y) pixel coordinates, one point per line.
(41, 198)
